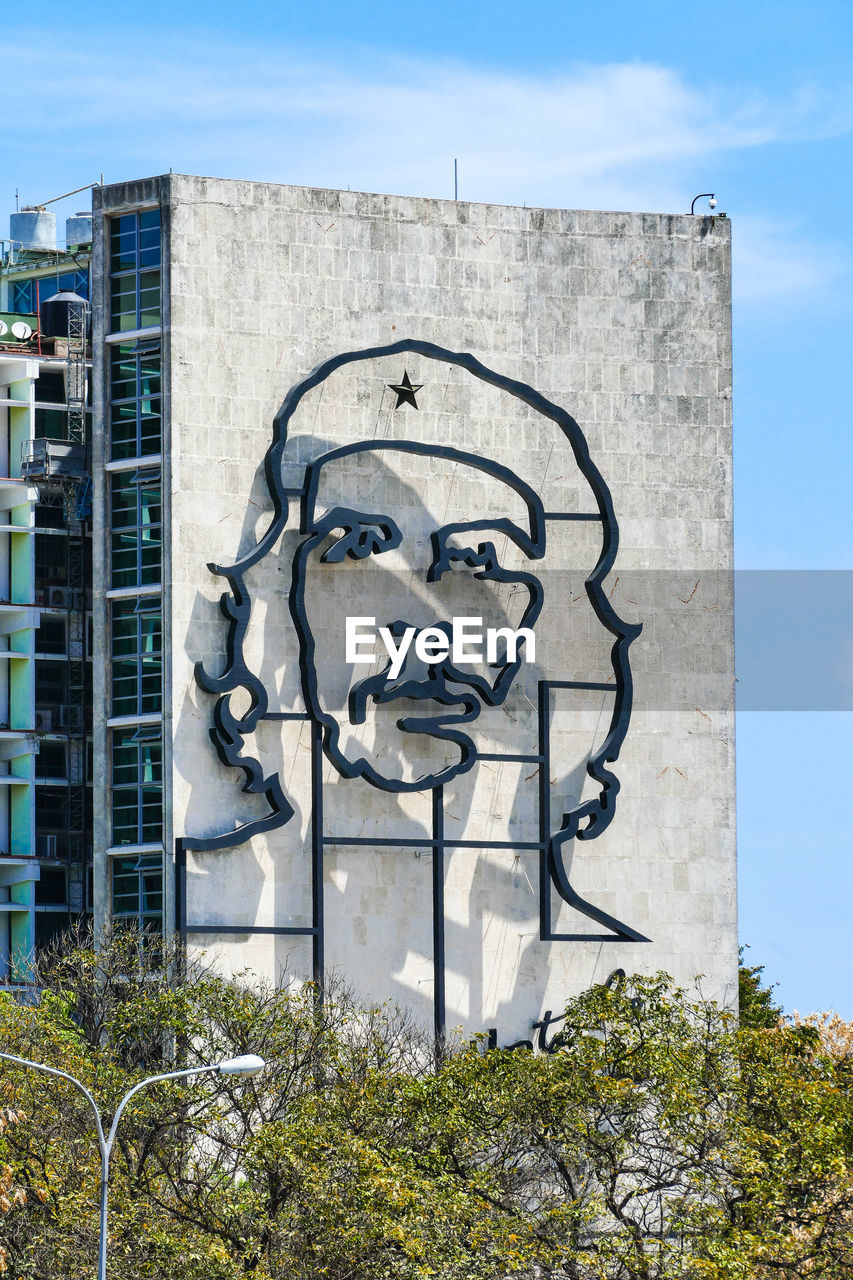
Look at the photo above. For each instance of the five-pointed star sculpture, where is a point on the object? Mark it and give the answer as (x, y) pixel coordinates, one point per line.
(405, 391)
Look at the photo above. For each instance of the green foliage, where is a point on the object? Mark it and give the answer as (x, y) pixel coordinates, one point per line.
(755, 1000)
(662, 1141)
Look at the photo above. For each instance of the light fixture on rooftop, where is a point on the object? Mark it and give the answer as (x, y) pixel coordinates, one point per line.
(706, 195)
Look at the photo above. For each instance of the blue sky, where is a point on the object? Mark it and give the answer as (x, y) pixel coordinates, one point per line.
(624, 106)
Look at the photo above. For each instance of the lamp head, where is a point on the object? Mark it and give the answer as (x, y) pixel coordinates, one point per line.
(713, 202)
(248, 1064)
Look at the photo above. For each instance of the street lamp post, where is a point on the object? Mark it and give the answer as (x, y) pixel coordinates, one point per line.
(248, 1064)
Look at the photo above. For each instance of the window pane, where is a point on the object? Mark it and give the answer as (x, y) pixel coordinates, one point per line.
(123, 243)
(136, 540)
(149, 374)
(135, 270)
(149, 238)
(137, 776)
(123, 303)
(149, 299)
(136, 645)
(135, 395)
(24, 297)
(122, 376)
(138, 892)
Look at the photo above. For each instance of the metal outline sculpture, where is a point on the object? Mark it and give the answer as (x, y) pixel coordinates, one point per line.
(586, 821)
(484, 558)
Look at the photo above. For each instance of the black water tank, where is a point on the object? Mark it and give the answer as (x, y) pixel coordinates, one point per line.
(54, 313)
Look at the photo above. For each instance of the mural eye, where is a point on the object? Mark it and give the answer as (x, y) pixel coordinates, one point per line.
(464, 560)
(361, 540)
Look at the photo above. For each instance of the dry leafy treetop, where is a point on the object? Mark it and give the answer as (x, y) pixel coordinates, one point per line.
(662, 1140)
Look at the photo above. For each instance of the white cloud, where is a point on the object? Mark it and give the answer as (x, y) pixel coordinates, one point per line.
(623, 136)
(396, 124)
(772, 261)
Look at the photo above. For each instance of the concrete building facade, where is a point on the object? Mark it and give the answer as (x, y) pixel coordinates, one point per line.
(314, 406)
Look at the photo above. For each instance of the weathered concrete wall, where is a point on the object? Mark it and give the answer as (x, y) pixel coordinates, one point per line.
(621, 319)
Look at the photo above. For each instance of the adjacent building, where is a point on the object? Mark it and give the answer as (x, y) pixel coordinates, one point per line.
(45, 568)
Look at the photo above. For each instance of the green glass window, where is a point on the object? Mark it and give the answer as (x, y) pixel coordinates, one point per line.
(135, 404)
(135, 271)
(135, 301)
(123, 302)
(136, 524)
(138, 892)
(149, 298)
(137, 777)
(136, 640)
(123, 243)
(135, 241)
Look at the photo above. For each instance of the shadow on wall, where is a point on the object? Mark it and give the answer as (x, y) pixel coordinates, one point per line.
(378, 879)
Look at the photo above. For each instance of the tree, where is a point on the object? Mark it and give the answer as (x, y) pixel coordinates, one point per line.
(88, 1021)
(755, 1000)
(659, 1140)
(312, 1169)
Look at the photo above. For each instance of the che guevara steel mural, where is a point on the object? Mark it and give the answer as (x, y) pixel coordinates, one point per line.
(427, 716)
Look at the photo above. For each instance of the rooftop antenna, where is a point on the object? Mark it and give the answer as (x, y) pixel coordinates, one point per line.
(16, 201)
(455, 179)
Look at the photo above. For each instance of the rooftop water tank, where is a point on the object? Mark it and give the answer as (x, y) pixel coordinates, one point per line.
(78, 230)
(54, 313)
(33, 228)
